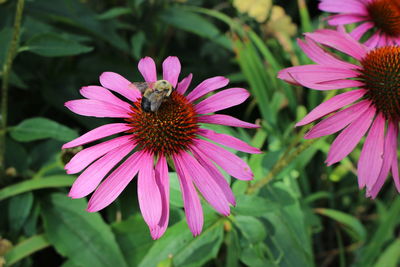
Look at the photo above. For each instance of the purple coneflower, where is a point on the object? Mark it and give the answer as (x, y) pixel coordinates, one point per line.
(173, 132)
(374, 105)
(380, 16)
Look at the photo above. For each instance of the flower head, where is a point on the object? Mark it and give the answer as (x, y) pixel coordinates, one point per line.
(372, 107)
(172, 132)
(380, 16)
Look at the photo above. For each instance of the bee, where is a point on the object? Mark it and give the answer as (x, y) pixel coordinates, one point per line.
(154, 94)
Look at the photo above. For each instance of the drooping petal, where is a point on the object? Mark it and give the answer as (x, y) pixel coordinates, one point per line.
(191, 201)
(333, 104)
(338, 121)
(119, 84)
(184, 84)
(228, 141)
(98, 133)
(371, 157)
(162, 180)
(344, 19)
(348, 6)
(83, 158)
(228, 161)
(214, 174)
(114, 184)
(359, 31)
(171, 70)
(205, 184)
(95, 108)
(87, 182)
(350, 137)
(222, 100)
(221, 119)
(322, 57)
(147, 68)
(102, 94)
(329, 85)
(373, 40)
(340, 41)
(207, 86)
(148, 193)
(390, 155)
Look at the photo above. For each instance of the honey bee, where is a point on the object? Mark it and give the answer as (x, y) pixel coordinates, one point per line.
(154, 94)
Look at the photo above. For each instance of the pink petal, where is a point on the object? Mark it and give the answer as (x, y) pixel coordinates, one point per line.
(98, 133)
(228, 161)
(228, 141)
(87, 182)
(340, 41)
(147, 68)
(215, 174)
(184, 84)
(191, 201)
(162, 180)
(222, 100)
(171, 70)
(390, 155)
(350, 137)
(148, 193)
(207, 86)
(316, 73)
(329, 85)
(347, 6)
(331, 105)
(345, 19)
(359, 31)
(322, 57)
(338, 121)
(371, 157)
(119, 84)
(221, 119)
(206, 185)
(114, 184)
(373, 40)
(83, 158)
(95, 108)
(102, 94)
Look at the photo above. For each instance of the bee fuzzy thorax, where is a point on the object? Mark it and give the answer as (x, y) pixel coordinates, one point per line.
(154, 94)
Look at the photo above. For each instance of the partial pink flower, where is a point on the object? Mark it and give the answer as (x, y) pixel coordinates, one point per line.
(372, 108)
(379, 17)
(149, 139)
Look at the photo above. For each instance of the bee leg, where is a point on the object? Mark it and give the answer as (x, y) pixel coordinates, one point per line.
(146, 104)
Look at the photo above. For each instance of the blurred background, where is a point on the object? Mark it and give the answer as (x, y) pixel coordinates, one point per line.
(297, 212)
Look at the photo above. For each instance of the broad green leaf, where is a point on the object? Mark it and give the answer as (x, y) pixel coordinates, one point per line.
(114, 12)
(253, 205)
(175, 190)
(254, 256)
(83, 237)
(19, 208)
(391, 256)
(53, 45)
(41, 128)
(133, 237)
(357, 230)
(26, 248)
(186, 250)
(233, 248)
(16, 155)
(35, 184)
(251, 228)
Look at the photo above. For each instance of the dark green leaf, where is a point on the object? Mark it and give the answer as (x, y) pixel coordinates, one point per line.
(254, 205)
(41, 128)
(81, 236)
(19, 209)
(251, 228)
(26, 248)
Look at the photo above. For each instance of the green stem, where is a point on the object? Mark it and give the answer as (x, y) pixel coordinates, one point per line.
(6, 76)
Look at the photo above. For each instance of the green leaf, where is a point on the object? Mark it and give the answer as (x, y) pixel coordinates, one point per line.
(82, 237)
(41, 128)
(18, 211)
(114, 13)
(53, 45)
(356, 229)
(35, 184)
(26, 248)
(251, 228)
(391, 256)
(185, 249)
(253, 205)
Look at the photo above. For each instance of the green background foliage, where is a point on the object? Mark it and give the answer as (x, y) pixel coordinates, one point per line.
(296, 212)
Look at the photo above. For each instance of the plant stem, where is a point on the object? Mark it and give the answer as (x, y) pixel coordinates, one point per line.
(6, 76)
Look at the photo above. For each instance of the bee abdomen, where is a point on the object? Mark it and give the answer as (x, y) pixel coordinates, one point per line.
(146, 104)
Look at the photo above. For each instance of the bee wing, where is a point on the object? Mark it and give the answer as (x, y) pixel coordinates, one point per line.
(142, 86)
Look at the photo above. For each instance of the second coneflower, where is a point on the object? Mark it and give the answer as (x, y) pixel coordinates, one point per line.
(373, 108)
(149, 138)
